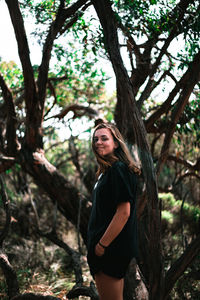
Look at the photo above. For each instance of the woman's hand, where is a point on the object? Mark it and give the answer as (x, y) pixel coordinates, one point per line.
(99, 250)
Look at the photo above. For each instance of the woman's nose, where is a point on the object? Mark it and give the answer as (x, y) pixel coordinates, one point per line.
(98, 142)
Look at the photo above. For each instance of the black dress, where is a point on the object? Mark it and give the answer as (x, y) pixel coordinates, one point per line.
(117, 185)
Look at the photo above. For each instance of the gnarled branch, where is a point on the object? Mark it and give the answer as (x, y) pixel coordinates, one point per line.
(180, 105)
(78, 110)
(178, 268)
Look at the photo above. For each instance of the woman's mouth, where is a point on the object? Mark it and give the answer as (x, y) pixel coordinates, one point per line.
(100, 148)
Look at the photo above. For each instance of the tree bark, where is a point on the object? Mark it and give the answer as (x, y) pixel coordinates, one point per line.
(10, 275)
(12, 143)
(135, 288)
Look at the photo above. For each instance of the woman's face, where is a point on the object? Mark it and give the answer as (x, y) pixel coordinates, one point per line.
(103, 142)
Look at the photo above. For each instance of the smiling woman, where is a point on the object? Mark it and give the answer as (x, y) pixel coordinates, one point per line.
(104, 142)
(112, 230)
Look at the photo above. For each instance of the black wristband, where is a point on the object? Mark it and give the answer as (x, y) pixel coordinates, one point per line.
(102, 245)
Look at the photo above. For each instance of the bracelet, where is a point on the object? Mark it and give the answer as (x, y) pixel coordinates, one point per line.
(102, 245)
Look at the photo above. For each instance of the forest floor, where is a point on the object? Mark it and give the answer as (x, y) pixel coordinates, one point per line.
(42, 267)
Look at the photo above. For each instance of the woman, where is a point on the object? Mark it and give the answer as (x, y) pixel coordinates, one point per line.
(112, 230)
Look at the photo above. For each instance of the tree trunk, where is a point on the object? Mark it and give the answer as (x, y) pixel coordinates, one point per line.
(10, 275)
(135, 288)
(130, 124)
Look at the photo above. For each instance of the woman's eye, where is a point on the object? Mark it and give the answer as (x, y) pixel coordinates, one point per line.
(103, 139)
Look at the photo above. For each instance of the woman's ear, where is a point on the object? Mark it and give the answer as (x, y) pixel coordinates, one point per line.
(116, 145)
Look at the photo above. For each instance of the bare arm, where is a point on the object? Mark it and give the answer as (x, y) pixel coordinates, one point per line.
(115, 227)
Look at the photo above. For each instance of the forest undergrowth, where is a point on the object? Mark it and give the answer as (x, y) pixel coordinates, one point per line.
(42, 267)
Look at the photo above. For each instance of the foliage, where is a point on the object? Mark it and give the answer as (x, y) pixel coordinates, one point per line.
(77, 75)
(189, 213)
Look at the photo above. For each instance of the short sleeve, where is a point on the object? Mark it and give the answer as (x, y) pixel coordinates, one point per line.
(123, 183)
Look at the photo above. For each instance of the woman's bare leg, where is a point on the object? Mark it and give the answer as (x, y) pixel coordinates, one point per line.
(109, 288)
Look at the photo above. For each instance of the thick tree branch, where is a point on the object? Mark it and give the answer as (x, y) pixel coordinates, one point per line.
(143, 62)
(23, 49)
(75, 18)
(35, 99)
(78, 110)
(55, 28)
(176, 16)
(34, 109)
(10, 275)
(188, 174)
(181, 103)
(165, 107)
(153, 84)
(57, 187)
(186, 163)
(12, 143)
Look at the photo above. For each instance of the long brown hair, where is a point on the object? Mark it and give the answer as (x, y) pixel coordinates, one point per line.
(121, 153)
